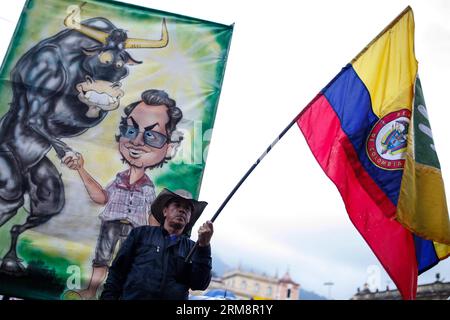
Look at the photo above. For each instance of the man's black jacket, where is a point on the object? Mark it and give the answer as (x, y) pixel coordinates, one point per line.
(151, 266)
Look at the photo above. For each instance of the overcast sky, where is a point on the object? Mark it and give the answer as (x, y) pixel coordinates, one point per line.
(288, 214)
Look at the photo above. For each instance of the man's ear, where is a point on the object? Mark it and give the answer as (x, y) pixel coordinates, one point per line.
(152, 221)
(172, 150)
(176, 137)
(165, 212)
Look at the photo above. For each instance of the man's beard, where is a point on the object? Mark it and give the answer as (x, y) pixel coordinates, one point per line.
(177, 225)
(158, 165)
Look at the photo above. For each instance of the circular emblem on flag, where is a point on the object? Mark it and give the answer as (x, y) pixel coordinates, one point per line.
(386, 144)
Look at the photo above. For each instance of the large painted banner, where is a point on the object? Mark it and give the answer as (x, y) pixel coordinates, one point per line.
(102, 105)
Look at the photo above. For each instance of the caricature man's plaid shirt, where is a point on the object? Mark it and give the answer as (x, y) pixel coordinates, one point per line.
(129, 202)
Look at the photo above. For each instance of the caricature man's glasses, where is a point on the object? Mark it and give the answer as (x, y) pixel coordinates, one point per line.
(151, 138)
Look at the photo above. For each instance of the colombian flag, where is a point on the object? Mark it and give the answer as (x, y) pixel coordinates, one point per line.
(369, 130)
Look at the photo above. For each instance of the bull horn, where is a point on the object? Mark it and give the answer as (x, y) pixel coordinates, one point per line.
(95, 34)
(132, 43)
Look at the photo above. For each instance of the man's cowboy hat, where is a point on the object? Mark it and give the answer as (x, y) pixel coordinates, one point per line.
(166, 195)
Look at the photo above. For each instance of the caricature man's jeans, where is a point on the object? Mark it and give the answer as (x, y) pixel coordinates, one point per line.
(111, 232)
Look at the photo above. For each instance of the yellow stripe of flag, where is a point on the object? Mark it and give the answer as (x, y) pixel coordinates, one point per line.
(388, 66)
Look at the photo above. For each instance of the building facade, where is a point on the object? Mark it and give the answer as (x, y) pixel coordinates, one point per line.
(250, 285)
(437, 290)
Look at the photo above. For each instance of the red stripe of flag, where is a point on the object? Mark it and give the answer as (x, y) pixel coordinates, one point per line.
(365, 202)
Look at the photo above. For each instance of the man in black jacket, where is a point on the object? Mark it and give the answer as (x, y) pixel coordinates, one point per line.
(151, 262)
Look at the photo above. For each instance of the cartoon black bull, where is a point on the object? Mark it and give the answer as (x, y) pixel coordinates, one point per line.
(62, 86)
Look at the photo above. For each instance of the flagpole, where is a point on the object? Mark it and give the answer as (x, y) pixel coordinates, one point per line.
(249, 171)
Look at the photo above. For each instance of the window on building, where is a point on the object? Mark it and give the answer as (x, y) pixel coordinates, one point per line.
(288, 293)
(244, 284)
(256, 288)
(269, 291)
